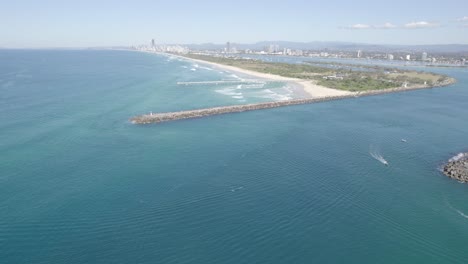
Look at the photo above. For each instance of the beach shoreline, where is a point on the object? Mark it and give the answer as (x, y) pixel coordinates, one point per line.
(316, 94)
(308, 86)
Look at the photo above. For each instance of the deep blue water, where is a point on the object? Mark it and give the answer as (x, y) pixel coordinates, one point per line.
(80, 184)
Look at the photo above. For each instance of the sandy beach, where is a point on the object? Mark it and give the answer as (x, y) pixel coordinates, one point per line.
(312, 89)
(314, 94)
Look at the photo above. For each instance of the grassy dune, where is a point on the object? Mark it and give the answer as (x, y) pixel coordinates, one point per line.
(337, 78)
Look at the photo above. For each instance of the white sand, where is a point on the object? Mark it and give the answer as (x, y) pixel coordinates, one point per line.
(309, 86)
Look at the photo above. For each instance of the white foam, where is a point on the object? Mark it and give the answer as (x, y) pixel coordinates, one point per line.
(253, 86)
(458, 157)
(456, 210)
(229, 91)
(206, 68)
(237, 189)
(269, 94)
(185, 67)
(376, 155)
(193, 69)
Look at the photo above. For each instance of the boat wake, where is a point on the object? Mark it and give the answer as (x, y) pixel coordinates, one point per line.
(376, 155)
(456, 210)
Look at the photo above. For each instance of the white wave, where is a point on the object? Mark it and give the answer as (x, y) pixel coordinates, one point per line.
(239, 86)
(193, 69)
(185, 67)
(458, 157)
(228, 91)
(376, 155)
(206, 68)
(195, 65)
(253, 86)
(238, 97)
(269, 94)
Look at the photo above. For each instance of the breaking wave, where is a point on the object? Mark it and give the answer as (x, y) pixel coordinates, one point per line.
(458, 157)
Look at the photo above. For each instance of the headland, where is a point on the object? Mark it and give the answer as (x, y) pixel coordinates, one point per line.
(311, 78)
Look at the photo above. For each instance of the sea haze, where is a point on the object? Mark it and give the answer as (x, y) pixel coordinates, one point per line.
(299, 184)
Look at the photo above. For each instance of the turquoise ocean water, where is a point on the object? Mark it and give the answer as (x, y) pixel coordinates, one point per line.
(80, 184)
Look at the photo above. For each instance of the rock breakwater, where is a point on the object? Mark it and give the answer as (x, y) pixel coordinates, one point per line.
(457, 168)
(172, 116)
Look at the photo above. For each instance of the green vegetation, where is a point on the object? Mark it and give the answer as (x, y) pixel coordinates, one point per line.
(361, 78)
(357, 83)
(301, 71)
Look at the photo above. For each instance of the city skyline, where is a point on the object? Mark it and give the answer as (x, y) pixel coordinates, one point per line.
(52, 23)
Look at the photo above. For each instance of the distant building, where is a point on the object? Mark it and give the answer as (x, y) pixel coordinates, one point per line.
(408, 57)
(424, 56)
(272, 48)
(298, 53)
(153, 44)
(390, 57)
(359, 54)
(228, 47)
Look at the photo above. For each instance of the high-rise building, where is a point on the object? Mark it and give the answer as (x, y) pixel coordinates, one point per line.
(228, 47)
(152, 43)
(424, 56)
(359, 54)
(390, 56)
(408, 57)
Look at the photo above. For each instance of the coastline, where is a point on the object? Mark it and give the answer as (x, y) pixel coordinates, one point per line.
(197, 113)
(310, 88)
(316, 93)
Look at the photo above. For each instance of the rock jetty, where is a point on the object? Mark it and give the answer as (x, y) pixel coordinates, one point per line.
(171, 116)
(457, 168)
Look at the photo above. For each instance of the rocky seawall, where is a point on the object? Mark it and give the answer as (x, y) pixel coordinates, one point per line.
(457, 168)
(172, 116)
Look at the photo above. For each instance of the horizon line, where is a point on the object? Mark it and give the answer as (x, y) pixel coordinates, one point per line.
(232, 42)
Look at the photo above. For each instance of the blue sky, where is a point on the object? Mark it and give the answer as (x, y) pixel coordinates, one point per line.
(84, 23)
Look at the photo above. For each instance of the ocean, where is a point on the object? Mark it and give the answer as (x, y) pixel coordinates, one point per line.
(300, 184)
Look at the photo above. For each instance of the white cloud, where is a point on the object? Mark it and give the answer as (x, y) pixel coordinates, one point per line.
(385, 26)
(359, 26)
(421, 24)
(388, 25)
(463, 19)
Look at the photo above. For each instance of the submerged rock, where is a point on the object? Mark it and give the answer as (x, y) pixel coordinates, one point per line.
(457, 168)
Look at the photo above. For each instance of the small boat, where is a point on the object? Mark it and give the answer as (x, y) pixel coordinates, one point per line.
(403, 140)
